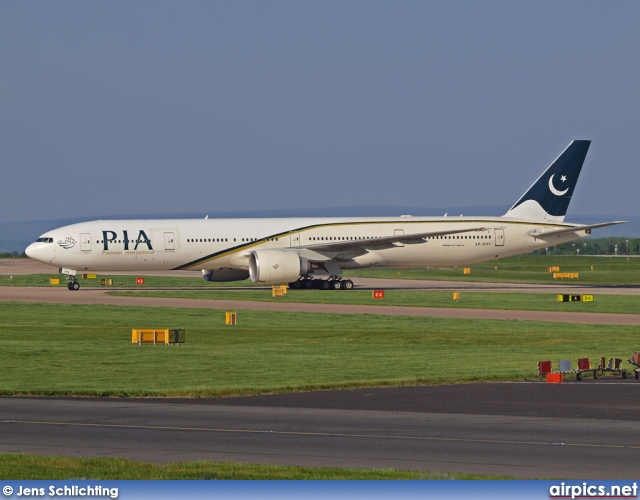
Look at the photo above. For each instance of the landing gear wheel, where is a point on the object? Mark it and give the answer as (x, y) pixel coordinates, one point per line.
(637, 374)
(347, 285)
(295, 284)
(326, 285)
(74, 285)
(308, 284)
(335, 285)
(578, 376)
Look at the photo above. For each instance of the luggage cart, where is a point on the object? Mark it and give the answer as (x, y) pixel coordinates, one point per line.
(612, 367)
(584, 366)
(635, 361)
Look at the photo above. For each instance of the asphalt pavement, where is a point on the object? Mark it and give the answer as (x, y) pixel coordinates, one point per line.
(528, 430)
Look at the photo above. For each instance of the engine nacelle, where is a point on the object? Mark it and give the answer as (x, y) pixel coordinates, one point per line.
(221, 275)
(276, 266)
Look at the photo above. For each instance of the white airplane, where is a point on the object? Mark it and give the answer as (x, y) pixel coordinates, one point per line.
(274, 251)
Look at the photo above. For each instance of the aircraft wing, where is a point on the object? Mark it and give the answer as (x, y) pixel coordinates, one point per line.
(329, 250)
(588, 228)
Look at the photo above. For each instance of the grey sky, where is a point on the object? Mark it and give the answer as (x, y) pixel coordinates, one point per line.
(171, 107)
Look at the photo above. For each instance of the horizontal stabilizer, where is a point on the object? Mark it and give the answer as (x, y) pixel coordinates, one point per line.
(564, 230)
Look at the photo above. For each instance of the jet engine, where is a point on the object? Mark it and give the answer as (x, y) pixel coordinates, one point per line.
(225, 274)
(277, 266)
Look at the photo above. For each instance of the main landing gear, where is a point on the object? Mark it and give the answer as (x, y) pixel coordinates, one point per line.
(333, 283)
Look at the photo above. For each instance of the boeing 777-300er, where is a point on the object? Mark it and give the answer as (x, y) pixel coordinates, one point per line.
(289, 250)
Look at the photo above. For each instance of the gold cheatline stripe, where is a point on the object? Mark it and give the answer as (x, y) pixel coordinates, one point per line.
(324, 434)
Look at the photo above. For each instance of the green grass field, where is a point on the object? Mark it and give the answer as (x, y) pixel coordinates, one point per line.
(53, 349)
(527, 269)
(34, 467)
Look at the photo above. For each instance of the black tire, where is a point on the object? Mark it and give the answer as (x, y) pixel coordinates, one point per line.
(308, 284)
(295, 284)
(70, 286)
(316, 284)
(347, 285)
(335, 285)
(75, 286)
(637, 375)
(578, 376)
(325, 285)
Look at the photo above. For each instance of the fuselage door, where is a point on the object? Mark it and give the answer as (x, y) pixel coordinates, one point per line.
(294, 239)
(499, 237)
(85, 242)
(169, 241)
(397, 232)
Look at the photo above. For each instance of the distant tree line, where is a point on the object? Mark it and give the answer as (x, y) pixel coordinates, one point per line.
(595, 246)
(11, 255)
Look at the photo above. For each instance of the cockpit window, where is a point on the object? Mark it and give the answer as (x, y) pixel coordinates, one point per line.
(45, 240)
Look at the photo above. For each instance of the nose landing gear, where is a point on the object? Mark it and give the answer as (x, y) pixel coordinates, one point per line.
(73, 283)
(71, 276)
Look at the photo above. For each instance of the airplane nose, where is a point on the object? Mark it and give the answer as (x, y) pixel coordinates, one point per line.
(31, 251)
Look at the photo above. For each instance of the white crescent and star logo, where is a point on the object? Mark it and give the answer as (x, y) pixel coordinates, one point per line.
(552, 188)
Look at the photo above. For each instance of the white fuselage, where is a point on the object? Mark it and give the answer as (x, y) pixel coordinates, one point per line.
(196, 244)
